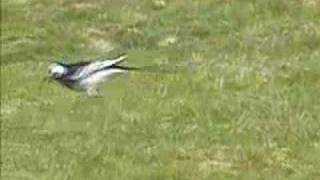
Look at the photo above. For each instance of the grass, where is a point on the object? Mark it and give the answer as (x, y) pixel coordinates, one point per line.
(245, 104)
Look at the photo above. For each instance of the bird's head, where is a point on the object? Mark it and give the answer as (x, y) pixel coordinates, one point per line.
(56, 70)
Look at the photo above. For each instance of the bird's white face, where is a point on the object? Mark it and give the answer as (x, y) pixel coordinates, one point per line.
(56, 71)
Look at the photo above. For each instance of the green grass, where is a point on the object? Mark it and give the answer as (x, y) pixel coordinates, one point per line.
(244, 105)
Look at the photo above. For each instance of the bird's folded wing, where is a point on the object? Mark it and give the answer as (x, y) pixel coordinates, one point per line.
(96, 66)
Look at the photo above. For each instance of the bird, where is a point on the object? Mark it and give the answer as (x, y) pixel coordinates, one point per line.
(88, 76)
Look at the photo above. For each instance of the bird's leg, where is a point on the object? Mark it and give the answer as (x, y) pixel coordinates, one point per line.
(93, 91)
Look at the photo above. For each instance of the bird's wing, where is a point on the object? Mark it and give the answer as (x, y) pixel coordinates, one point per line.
(95, 66)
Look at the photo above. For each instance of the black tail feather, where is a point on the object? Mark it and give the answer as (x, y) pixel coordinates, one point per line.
(150, 69)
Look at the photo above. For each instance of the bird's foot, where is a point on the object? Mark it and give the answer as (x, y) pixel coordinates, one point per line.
(93, 92)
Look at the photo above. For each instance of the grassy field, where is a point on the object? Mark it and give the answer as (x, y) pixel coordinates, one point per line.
(243, 104)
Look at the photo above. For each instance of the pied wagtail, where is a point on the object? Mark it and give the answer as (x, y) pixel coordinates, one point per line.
(87, 76)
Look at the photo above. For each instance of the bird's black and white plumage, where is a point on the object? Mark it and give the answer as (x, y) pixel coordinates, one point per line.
(87, 76)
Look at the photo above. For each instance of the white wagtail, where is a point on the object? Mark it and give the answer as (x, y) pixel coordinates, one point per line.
(87, 76)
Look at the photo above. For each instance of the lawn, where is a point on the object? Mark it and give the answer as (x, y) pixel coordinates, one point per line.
(241, 101)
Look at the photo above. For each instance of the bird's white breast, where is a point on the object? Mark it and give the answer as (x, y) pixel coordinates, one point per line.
(98, 77)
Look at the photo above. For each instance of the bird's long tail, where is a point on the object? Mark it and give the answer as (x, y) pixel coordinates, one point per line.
(150, 69)
(162, 68)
